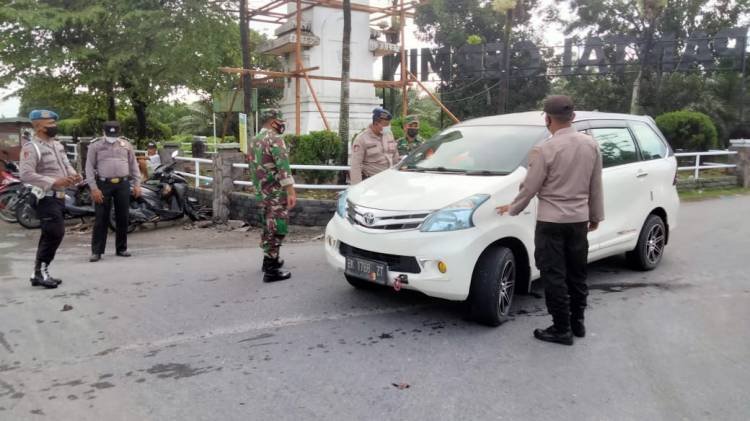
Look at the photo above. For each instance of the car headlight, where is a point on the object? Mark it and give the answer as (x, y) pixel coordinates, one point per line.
(341, 205)
(456, 216)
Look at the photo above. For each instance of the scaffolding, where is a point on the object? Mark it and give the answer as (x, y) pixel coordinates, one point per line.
(268, 13)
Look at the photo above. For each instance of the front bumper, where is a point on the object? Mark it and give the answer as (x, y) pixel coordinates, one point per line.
(458, 250)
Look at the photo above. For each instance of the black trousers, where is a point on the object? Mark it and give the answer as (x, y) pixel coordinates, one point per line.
(119, 194)
(561, 254)
(49, 210)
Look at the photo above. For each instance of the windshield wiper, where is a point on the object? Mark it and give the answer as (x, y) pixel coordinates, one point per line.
(486, 172)
(443, 169)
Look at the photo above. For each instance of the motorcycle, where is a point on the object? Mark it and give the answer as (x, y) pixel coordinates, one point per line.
(10, 184)
(163, 198)
(78, 204)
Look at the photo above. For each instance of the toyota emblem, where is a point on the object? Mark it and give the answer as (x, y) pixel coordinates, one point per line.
(369, 218)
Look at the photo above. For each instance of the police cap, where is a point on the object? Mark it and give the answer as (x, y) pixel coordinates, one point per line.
(381, 113)
(559, 106)
(111, 128)
(43, 115)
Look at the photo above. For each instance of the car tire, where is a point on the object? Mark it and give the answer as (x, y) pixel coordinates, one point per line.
(649, 250)
(492, 286)
(361, 283)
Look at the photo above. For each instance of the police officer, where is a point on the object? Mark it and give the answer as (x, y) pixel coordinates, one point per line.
(111, 168)
(274, 188)
(374, 150)
(44, 164)
(411, 139)
(565, 173)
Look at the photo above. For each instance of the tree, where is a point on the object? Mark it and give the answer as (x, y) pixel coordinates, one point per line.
(466, 90)
(140, 50)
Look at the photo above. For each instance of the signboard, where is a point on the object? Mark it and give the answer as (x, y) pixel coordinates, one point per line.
(243, 133)
(232, 101)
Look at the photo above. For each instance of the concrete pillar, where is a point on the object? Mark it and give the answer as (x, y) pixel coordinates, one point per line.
(224, 174)
(742, 160)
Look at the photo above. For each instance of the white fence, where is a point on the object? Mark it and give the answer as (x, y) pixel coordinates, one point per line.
(700, 164)
(198, 177)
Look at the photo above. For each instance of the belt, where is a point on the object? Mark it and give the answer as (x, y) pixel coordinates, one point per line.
(56, 194)
(113, 180)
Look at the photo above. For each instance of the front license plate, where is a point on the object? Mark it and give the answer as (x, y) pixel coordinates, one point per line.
(367, 269)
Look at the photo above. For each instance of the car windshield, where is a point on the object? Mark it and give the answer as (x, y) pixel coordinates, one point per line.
(475, 150)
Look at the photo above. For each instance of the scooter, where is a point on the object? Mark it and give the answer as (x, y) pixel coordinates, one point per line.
(163, 198)
(10, 184)
(78, 204)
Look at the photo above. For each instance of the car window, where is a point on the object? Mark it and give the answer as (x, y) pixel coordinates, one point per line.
(475, 149)
(617, 146)
(652, 147)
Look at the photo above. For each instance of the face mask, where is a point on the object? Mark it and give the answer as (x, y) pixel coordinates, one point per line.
(387, 130)
(110, 139)
(280, 127)
(412, 132)
(51, 131)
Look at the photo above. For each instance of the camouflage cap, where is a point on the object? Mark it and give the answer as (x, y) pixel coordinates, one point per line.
(412, 118)
(271, 113)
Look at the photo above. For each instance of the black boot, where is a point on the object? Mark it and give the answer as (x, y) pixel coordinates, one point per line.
(274, 272)
(553, 334)
(42, 278)
(270, 263)
(577, 326)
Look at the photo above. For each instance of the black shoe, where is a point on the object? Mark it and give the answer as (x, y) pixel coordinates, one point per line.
(274, 275)
(578, 328)
(95, 258)
(123, 253)
(42, 278)
(270, 263)
(552, 334)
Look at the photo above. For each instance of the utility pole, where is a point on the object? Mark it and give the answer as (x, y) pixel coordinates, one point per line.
(247, 80)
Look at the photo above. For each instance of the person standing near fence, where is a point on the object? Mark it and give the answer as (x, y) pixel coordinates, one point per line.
(565, 173)
(45, 165)
(374, 150)
(111, 168)
(274, 190)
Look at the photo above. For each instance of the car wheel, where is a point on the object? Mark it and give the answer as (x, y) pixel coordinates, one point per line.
(492, 286)
(650, 247)
(361, 283)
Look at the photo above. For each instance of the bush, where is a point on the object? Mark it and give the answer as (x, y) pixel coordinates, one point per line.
(81, 127)
(314, 148)
(688, 130)
(426, 130)
(155, 130)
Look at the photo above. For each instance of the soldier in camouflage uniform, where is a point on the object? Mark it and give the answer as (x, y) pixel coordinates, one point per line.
(274, 187)
(411, 139)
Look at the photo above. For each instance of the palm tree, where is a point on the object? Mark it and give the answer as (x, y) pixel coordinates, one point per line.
(345, 65)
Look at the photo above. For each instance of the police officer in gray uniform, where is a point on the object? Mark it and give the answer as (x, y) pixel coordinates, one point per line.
(111, 168)
(45, 165)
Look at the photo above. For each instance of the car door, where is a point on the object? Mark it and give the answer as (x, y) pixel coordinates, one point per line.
(623, 184)
(657, 166)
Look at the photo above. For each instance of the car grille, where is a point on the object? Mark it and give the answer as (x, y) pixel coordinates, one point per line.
(377, 219)
(406, 264)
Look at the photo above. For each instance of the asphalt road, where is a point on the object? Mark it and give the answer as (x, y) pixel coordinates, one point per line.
(186, 330)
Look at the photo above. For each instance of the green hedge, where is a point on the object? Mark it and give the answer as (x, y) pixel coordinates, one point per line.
(314, 148)
(688, 130)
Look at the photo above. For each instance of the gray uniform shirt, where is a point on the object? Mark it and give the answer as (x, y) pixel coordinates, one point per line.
(44, 161)
(111, 160)
(565, 173)
(372, 154)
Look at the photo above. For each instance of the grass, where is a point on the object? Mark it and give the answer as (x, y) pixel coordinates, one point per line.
(697, 195)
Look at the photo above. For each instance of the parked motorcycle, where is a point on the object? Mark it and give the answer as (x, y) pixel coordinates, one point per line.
(78, 204)
(10, 184)
(163, 198)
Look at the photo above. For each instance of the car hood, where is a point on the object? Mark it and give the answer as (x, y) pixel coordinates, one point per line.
(406, 190)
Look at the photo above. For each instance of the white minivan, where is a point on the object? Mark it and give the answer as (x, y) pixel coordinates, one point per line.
(429, 223)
